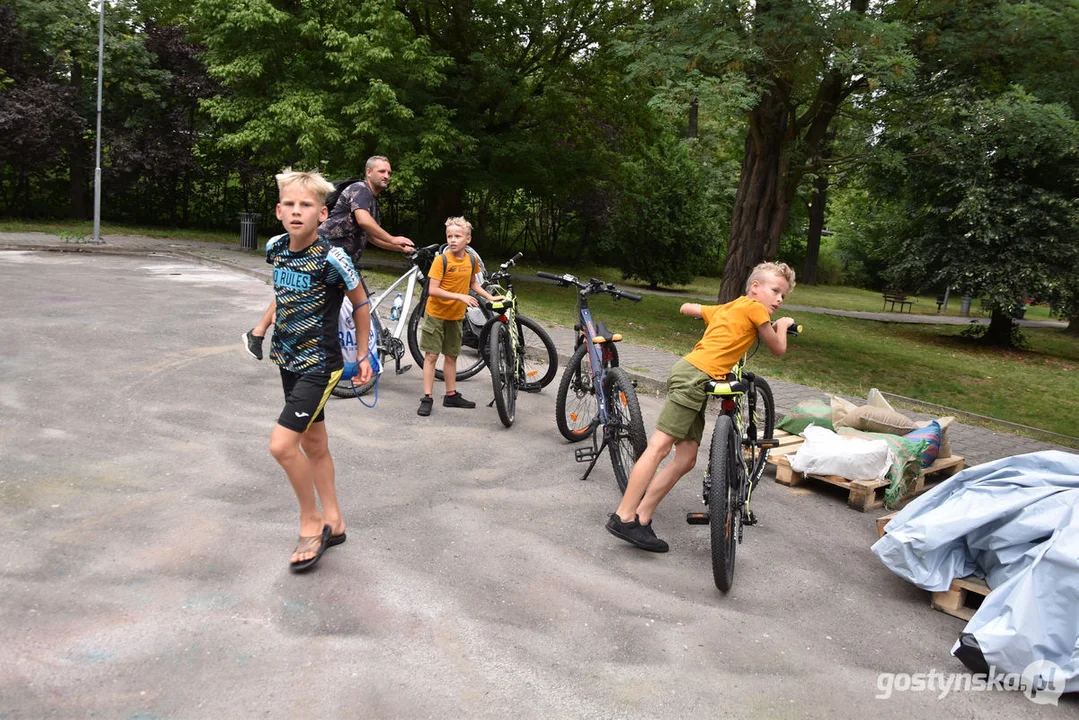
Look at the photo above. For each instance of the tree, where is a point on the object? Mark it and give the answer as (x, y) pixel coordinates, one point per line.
(324, 84)
(990, 193)
(788, 66)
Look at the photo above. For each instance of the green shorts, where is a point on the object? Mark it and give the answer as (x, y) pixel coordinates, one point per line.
(440, 337)
(682, 416)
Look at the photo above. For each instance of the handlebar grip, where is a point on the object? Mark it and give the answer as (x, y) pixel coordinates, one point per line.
(629, 296)
(794, 330)
(516, 257)
(549, 276)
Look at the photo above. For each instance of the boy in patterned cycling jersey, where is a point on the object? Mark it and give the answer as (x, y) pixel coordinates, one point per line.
(310, 278)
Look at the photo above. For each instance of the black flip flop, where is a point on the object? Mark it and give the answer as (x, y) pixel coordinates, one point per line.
(336, 539)
(324, 538)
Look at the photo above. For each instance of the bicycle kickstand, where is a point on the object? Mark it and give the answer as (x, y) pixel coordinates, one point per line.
(590, 455)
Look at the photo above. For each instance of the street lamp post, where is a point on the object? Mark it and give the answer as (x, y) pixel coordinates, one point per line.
(97, 152)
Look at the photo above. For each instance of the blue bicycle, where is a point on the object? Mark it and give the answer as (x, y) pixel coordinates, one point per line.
(595, 392)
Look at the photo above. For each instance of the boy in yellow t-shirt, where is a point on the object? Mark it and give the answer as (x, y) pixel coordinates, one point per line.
(731, 330)
(451, 276)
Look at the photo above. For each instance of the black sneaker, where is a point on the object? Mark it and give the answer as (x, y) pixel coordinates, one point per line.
(253, 344)
(636, 534)
(457, 400)
(425, 405)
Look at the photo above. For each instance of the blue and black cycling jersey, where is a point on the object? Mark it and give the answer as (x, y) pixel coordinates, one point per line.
(308, 287)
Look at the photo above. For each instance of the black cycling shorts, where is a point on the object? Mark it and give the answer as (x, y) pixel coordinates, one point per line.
(305, 397)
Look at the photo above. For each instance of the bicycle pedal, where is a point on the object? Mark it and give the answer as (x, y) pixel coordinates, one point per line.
(403, 370)
(749, 519)
(697, 518)
(531, 389)
(584, 454)
(768, 443)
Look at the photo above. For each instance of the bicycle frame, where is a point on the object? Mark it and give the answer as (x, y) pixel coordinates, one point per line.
(595, 356)
(410, 278)
(731, 401)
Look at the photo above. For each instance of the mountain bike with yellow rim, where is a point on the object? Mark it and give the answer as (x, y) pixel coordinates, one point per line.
(741, 439)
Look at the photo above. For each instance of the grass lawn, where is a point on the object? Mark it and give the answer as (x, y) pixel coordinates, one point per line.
(85, 228)
(932, 363)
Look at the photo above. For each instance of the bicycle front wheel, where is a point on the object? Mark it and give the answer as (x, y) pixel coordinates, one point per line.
(469, 362)
(724, 468)
(503, 372)
(576, 404)
(540, 357)
(343, 388)
(627, 438)
(765, 420)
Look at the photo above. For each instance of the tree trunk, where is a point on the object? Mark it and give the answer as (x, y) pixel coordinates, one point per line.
(1073, 326)
(999, 332)
(694, 113)
(817, 207)
(765, 191)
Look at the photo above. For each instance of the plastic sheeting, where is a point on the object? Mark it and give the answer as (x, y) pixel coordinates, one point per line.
(1014, 522)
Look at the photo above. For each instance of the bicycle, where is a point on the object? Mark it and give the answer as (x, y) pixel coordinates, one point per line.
(579, 408)
(736, 460)
(388, 343)
(507, 354)
(473, 357)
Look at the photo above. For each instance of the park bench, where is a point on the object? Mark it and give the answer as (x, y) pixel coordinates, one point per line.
(891, 299)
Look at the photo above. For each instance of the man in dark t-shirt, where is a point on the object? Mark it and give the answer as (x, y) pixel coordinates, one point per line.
(353, 220)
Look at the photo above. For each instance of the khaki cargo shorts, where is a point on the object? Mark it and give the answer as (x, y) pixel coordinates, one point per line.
(682, 416)
(440, 337)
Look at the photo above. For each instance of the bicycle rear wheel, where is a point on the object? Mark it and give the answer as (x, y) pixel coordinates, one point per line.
(627, 439)
(725, 484)
(756, 457)
(576, 405)
(503, 372)
(469, 362)
(540, 358)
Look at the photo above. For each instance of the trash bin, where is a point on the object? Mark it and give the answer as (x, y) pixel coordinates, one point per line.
(964, 306)
(249, 230)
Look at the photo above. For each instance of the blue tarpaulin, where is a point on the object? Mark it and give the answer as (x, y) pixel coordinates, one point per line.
(1014, 522)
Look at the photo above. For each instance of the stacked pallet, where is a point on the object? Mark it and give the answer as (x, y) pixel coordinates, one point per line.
(962, 599)
(863, 494)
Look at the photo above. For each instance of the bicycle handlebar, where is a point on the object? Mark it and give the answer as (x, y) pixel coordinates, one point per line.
(592, 287)
(793, 330)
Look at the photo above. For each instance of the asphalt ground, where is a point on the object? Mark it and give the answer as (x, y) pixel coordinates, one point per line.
(148, 532)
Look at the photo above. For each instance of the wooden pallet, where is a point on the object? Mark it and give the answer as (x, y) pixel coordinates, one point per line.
(962, 599)
(862, 494)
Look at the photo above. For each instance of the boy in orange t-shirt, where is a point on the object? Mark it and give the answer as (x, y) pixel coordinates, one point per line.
(450, 280)
(731, 330)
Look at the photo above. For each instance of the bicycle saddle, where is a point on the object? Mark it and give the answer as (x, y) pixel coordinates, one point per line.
(603, 334)
(729, 385)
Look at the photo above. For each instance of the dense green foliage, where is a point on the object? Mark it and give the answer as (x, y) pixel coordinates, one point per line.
(674, 137)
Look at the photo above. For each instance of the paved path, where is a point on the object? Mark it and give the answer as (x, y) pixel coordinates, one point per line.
(146, 530)
(649, 366)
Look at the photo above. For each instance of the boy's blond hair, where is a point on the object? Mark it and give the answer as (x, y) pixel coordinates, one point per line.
(460, 222)
(310, 181)
(779, 270)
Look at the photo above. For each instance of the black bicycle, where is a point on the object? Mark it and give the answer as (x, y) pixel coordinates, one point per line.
(579, 408)
(741, 439)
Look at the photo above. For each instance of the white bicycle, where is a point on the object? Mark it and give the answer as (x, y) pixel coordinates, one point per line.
(388, 343)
